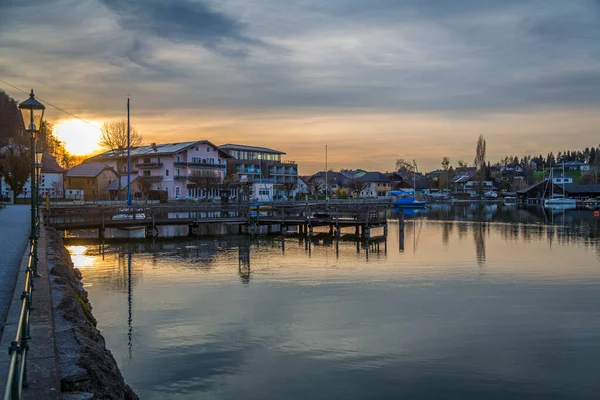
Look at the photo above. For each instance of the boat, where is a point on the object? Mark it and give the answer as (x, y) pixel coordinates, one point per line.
(129, 232)
(559, 201)
(407, 199)
(408, 202)
(510, 201)
(491, 194)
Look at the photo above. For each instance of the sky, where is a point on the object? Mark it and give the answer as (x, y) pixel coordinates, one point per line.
(374, 80)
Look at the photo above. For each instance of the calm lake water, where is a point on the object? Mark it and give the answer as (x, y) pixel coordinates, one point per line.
(471, 302)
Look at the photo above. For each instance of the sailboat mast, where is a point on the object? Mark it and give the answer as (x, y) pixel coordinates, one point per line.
(128, 156)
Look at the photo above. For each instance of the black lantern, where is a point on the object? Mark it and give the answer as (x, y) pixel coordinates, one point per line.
(32, 112)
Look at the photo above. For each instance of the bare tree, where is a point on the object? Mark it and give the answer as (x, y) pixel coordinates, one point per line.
(479, 162)
(357, 186)
(289, 186)
(462, 165)
(315, 186)
(403, 165)
(114, 137)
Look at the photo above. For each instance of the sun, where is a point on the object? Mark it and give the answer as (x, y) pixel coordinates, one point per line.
(80, 137)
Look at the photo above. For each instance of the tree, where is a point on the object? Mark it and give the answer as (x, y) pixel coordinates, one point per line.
(357, 186)
(462, 166)
(16, 168)
(11, 124)
(289, 186)
(444, 182)
(479, 162)
(403, 165)
(315, 186)
(114, 137)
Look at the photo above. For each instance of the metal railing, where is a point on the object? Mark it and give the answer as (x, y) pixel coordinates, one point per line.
(17, 370)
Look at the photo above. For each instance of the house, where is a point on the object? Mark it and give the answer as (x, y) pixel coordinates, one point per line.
(572, 166)
(582, 191)
(264, 165)
(176, 168)
(118, 190)
(50, 181)
(539, 191)
(302, 184)
(335, 181)
(377, 185)
(91, 178)
(562, 179)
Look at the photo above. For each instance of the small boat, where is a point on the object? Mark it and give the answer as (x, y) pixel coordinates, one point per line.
(490, 194)
(560, 202)
(129, 232)
(408, 202)
(510, 201)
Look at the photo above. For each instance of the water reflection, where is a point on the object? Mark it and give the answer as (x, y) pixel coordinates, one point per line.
(469, 307)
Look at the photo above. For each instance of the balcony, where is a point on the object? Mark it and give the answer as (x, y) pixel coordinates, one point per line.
(199, 165)
(149, 165)
(152, 178)
(180, 177)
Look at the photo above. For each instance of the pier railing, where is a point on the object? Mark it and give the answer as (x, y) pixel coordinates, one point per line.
(100, 217)
(19, 347)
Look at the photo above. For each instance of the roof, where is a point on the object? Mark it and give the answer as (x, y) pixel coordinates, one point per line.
(374, 177)
(575, 188)
(462, 177)
(159, 149)
(232, 146)
(114, 184)
(87, 170)
(569, 164)
(49, 164)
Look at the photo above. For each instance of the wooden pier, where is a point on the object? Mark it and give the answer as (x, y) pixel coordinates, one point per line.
(303, 217)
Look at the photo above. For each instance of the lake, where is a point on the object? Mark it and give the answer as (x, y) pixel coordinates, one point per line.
(472, 301)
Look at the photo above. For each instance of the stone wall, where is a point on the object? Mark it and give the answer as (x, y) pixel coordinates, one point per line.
(87, 368)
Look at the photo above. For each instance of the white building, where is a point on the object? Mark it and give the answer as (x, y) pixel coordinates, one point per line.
(51, 181)
(171, 167)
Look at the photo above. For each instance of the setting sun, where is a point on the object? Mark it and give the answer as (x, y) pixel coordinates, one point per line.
(80, 137)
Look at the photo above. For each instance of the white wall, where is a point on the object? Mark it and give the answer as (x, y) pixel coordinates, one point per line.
(51, 183)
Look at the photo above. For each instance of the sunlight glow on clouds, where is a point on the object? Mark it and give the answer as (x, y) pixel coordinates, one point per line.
(374, 79)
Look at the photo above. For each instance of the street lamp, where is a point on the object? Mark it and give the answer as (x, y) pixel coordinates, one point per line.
(32, 112)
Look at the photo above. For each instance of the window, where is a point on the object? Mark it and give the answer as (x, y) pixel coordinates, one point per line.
(167, 172)
(146, 173)
(177, 191)
(177, 172)
(177, 159)
(208, 149)
(196, 148)
(263, 192)
(147, 160)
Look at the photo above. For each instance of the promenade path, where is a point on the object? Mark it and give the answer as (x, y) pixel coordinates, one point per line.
(14, 233)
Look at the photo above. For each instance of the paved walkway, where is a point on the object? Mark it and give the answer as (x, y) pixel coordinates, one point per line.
(14, 233)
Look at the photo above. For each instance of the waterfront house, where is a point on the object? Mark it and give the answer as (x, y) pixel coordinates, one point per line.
(182, 170)
(118, 190)
(264, 165)
(377, 185)
(91, 178)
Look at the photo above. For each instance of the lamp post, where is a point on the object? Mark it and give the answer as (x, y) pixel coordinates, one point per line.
(38, 180)
(32, 112)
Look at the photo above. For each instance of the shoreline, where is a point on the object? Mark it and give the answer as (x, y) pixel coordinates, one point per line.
(86, 367)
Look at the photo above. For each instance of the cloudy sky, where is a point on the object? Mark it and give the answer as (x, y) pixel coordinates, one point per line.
(372, 79)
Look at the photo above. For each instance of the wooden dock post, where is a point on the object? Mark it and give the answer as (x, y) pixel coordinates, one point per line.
(401, 220)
